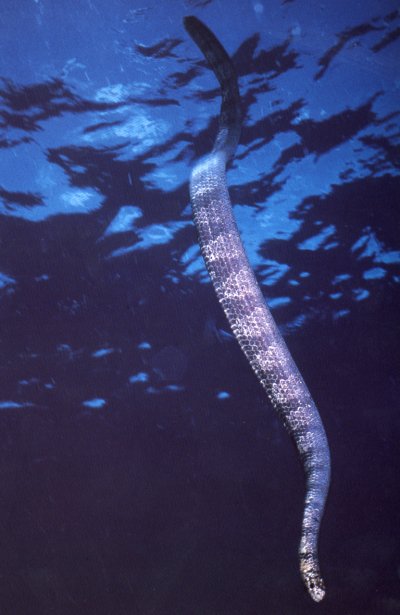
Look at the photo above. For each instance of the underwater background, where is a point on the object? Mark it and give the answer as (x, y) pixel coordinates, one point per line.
(142, 469)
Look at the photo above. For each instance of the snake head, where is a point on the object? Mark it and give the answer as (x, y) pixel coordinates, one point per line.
(312, 578)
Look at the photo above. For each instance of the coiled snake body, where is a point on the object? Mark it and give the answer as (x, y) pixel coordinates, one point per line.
(244, 305)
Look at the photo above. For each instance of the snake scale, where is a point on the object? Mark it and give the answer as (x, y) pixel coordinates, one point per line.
(244, 305)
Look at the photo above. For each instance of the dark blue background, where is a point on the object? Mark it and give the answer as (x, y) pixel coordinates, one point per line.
(142, 470)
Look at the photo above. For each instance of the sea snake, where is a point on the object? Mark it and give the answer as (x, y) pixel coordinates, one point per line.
(244, 305)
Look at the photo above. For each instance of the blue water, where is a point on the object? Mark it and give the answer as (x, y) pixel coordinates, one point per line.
(142, 470)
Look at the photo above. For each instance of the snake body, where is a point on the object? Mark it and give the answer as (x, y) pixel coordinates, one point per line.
(244, 305)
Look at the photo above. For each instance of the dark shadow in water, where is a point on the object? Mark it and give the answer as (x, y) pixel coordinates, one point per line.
(163, 49)
(350, 34)
(25, 107)
(390, 37)
(20, 198)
